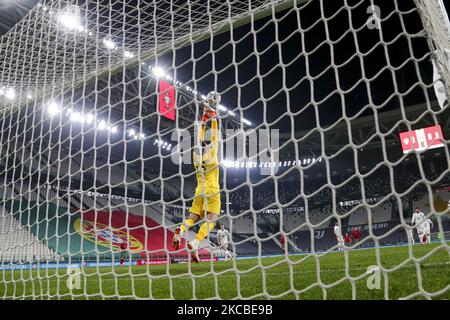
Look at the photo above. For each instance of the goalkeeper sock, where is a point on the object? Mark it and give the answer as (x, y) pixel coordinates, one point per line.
(186, 224)
(203, 232)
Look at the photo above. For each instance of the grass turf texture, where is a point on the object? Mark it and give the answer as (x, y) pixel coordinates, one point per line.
(279, 279)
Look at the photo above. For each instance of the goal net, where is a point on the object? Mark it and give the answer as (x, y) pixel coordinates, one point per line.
(333, 128)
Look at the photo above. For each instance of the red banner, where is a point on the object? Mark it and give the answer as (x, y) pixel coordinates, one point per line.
(422, 139)
(166, 105)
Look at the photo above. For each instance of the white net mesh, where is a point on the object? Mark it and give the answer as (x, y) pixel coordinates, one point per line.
(101, 101)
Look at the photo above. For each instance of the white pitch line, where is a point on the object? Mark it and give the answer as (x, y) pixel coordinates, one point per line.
(140, 277)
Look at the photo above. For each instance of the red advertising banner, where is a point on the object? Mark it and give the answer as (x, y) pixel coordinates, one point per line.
(422, 139)
(166, 104)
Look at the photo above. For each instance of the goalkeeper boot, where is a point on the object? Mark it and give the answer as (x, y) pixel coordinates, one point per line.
(193, 247)
(176, 241)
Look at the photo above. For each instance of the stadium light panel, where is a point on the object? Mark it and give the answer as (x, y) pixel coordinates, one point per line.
(109, 44)
(114, 129)
(247, 122)
(53, 109)
(10, 94)
(128, 54)
(102, 125)
(75, 117)
(158, 72)
(70, 18)
(231, 113)
(222, 107)
(68, 21)
(132, 133)
(89, 118)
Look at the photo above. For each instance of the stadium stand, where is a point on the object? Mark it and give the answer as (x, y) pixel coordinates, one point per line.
(18, 244)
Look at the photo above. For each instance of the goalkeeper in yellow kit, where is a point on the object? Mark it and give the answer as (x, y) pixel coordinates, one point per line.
(207, 193)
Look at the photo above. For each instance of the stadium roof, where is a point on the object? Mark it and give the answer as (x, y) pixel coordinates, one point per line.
(12, 11)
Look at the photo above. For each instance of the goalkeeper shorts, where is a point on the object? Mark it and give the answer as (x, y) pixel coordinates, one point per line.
(209, 204)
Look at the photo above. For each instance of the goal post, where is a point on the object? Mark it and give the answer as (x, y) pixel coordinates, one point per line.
(333, 129)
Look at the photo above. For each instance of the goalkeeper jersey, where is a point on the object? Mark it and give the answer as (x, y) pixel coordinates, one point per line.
(207, 163)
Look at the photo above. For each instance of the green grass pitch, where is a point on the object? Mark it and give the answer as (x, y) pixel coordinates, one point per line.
(300, 277)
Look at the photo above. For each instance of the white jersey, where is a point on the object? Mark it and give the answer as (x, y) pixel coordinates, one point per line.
(223, 236)
(418, 218)
(337, 232)
(427, 225)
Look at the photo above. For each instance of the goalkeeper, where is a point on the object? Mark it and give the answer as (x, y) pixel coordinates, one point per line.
(207, 193)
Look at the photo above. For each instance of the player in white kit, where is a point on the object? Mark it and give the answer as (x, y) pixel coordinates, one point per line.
(427, 225)
(339, 238)
(223, 238)
(417, 221)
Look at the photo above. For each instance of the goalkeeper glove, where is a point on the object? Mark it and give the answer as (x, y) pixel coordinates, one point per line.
(208, 113)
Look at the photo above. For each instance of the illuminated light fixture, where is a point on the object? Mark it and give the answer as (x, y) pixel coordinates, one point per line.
(247, 122)
(102, 125)
(131, 133)
(75, 116)
(231, 113)
(114, 129)
(158, 72)
(53, 109)
(29, 95)
(10, 94)
(69, 111)
(222, 107)
(108, 43)
(128, 54)
(89, 118)
(70, 19)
